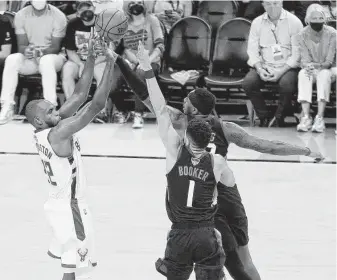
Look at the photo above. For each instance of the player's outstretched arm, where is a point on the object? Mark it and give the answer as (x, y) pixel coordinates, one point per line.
(167, 133)
(134, 82)
(67, 127)
(237, 135)
(82, 88)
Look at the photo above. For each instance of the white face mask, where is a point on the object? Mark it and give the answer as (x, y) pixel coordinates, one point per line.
(39, 5)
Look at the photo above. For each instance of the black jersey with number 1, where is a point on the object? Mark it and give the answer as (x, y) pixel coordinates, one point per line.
(191, 189)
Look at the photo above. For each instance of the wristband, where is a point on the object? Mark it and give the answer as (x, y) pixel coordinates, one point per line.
(149, 74)
(308, 153)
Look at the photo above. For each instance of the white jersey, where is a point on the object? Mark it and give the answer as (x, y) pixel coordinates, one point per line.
(65, 175)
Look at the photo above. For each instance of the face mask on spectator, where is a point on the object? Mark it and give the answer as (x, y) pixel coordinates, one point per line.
(317, 26)
(39, 5)
(87, 15)
(136, 9)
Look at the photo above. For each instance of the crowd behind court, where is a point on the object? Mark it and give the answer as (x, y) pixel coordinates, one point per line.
(291, 44)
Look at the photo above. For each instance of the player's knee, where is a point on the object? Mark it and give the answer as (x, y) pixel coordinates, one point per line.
(209, 272)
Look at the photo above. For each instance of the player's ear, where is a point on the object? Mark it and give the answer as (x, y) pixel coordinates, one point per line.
(38, 121)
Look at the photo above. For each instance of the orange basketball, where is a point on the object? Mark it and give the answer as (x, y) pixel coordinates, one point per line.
(111, 24)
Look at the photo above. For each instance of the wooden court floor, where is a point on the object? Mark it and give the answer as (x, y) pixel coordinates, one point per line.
(291, 204)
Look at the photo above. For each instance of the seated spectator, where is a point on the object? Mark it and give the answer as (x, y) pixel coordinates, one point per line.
(144, 27)
(6, 40)
(170, 11)
(274, 57)
(40, 29)
(318, 51)
(76, 44)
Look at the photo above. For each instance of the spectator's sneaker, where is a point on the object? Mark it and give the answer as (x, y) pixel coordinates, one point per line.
(120, 117)
(319, 125)
(101, 118)
(138, 121)
(7, 113)
(305, 125)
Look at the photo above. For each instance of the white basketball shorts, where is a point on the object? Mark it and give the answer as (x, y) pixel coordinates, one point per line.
(73, 234)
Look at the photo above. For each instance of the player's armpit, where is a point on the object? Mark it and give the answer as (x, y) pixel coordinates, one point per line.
(222, 172)
(237, 135)
(68, 127)
(81, 91)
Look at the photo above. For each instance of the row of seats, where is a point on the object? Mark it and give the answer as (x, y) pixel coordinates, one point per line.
(220, 58)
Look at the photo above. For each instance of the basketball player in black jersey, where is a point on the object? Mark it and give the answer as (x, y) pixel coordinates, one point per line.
(231, 219)
(192, 177)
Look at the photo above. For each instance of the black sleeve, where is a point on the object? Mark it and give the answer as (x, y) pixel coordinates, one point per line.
(69, 39)
(6, 32)
(135, 83)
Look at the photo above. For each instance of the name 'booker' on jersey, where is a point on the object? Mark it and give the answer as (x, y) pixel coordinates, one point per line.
(191, 189)
(65, 175)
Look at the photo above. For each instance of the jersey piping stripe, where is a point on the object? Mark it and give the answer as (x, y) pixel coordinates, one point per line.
(78, 223)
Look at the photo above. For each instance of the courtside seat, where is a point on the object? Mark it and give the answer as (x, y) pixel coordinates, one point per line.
(188, 48)
(217, 12)
(229, 61)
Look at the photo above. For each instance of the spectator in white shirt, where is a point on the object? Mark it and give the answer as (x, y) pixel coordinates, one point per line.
(274, 57)
(40, 28)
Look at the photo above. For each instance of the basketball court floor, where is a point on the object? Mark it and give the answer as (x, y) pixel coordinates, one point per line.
(290, 202)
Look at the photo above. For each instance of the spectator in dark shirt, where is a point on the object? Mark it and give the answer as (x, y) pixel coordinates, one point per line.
(6, 39)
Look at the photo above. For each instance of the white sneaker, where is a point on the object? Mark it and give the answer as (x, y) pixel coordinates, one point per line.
(120, 117)
(138, 121)
(7, 113)
(305, 124)
(319, 125)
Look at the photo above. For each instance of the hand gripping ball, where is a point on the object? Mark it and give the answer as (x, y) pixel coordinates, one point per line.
(111, 24)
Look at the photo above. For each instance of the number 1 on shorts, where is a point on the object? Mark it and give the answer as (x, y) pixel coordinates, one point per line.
(190, 193)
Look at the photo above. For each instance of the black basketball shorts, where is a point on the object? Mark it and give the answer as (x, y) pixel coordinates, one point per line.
(231, 219)
(200, 247)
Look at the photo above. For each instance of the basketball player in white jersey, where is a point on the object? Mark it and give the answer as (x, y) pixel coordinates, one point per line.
(59, 149)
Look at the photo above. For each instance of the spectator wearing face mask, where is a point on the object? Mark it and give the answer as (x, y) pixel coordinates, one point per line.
(318, 51)
(40, 28)
(146, 28)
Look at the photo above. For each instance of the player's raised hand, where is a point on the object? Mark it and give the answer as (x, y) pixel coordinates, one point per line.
(109, 52)
(91, 43)
(143, 57)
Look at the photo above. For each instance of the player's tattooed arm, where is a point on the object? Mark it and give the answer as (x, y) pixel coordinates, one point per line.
(82, 88)
(237, 135)
(67, 127)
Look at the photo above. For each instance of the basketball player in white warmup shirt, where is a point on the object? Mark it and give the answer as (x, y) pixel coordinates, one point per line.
(59, 149)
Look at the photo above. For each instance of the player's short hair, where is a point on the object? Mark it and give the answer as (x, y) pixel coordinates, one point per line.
(31, 110)
(202, 100)
(200, 131)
